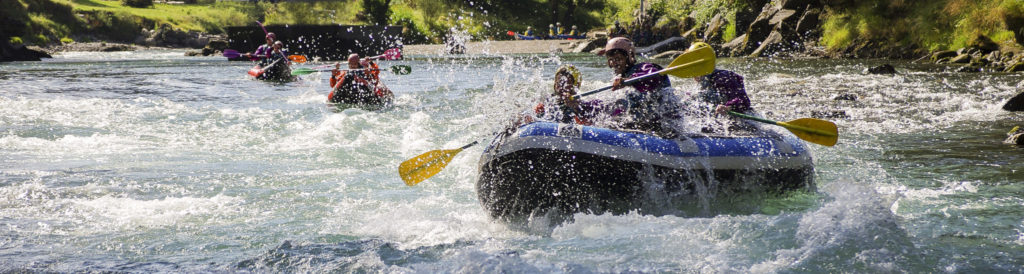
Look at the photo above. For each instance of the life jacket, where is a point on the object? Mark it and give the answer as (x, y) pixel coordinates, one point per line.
(539, 110)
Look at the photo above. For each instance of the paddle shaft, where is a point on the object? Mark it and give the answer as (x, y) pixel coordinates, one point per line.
(638, 79)
(782, 124)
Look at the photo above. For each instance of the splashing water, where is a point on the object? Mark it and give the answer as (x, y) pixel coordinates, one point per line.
(149, 161)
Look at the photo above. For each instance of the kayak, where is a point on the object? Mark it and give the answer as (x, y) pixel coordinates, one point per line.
(547, 167)
(363, 95)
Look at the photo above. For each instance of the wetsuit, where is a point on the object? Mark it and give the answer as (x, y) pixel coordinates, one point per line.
(723, 87)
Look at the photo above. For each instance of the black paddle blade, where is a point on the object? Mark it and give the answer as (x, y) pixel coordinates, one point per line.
(1016, 103)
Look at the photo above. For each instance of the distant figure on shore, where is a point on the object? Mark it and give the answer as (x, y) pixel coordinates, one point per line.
(617, 30)
(529, 31)
(264, 50)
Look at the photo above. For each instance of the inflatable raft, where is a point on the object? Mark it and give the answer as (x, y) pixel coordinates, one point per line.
(571, 168)
(361, 94)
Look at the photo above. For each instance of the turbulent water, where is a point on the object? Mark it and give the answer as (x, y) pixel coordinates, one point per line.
(151, 161)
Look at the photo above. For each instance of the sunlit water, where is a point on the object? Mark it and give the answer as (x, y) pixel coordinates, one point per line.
(150, 161)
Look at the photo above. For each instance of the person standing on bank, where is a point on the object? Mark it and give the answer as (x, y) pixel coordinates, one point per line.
(650, 105)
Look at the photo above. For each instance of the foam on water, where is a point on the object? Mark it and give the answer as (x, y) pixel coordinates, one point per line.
(127, 162)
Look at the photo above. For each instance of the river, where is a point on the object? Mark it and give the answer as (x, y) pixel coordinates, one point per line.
(150, 161)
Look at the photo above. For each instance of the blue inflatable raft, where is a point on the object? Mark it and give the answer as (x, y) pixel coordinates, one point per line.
(571, 168)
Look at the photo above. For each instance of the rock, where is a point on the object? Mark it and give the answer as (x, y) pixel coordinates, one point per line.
(845, 97)
(796, 4)
(829, 114)
(774, 44)
(591, 45)
(672, 54)
(883, 69)
(1015, 67)
(732, 47)
(961, 59)
(218, 45)
(193, 53)
(942, 54)
(117, 47)
(714, 32)
(9, 52)
(758, 31)
(807, 26)
(969, 69)
(674, 43)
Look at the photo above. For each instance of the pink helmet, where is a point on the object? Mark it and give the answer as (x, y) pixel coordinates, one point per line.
(271, 35)
(622, 43)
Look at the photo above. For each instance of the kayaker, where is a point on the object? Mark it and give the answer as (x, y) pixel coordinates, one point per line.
(263, 50)
(561, 106)
(651, 104)
(529, 31)
(558, 28)
(551, 30)
(574, 32)
(723, 89)
(361, 78)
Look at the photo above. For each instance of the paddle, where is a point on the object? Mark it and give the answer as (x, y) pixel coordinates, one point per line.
(697, 62)
(808, 129)
(1015, 104)
(396, 69)
(419, 168)
(257, 71)
(390, 54)
(230, 53)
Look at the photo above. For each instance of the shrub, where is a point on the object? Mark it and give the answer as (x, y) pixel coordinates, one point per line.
(137, 3)
(16, 40)
(66, 40)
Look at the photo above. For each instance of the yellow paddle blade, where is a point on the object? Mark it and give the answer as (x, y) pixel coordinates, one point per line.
(813, 130)
(415, 170)
(693, 63)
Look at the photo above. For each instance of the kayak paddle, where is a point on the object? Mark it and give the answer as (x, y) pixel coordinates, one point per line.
(390, 54)
(396, 69)
(692, 63)
(419, 168)
(1015, 104)
(808, 129)
(297, 58)
(230, 53)
(257, 70)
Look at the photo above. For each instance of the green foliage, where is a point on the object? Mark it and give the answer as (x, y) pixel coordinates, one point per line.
(137, 3)
(377, 11)
(730, 31)
(16, 40)
(66, 40)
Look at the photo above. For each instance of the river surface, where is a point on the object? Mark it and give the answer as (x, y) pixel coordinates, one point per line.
(149, 161)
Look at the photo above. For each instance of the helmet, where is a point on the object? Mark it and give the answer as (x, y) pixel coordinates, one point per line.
(572, 71)
(622, 43)
(697, 45)
(271, 35)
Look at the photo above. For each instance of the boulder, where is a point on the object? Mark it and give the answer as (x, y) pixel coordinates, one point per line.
(774, 44)
(942, 54)
(883, 69)
(713, 34)
(845, 97)
(969, 69)
(758, 31)
(961, 59)
(672, 54)
(732, 47)
(674, 43)
(20, 52)
(1015, 67)
(591, 45)
(807, 26)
